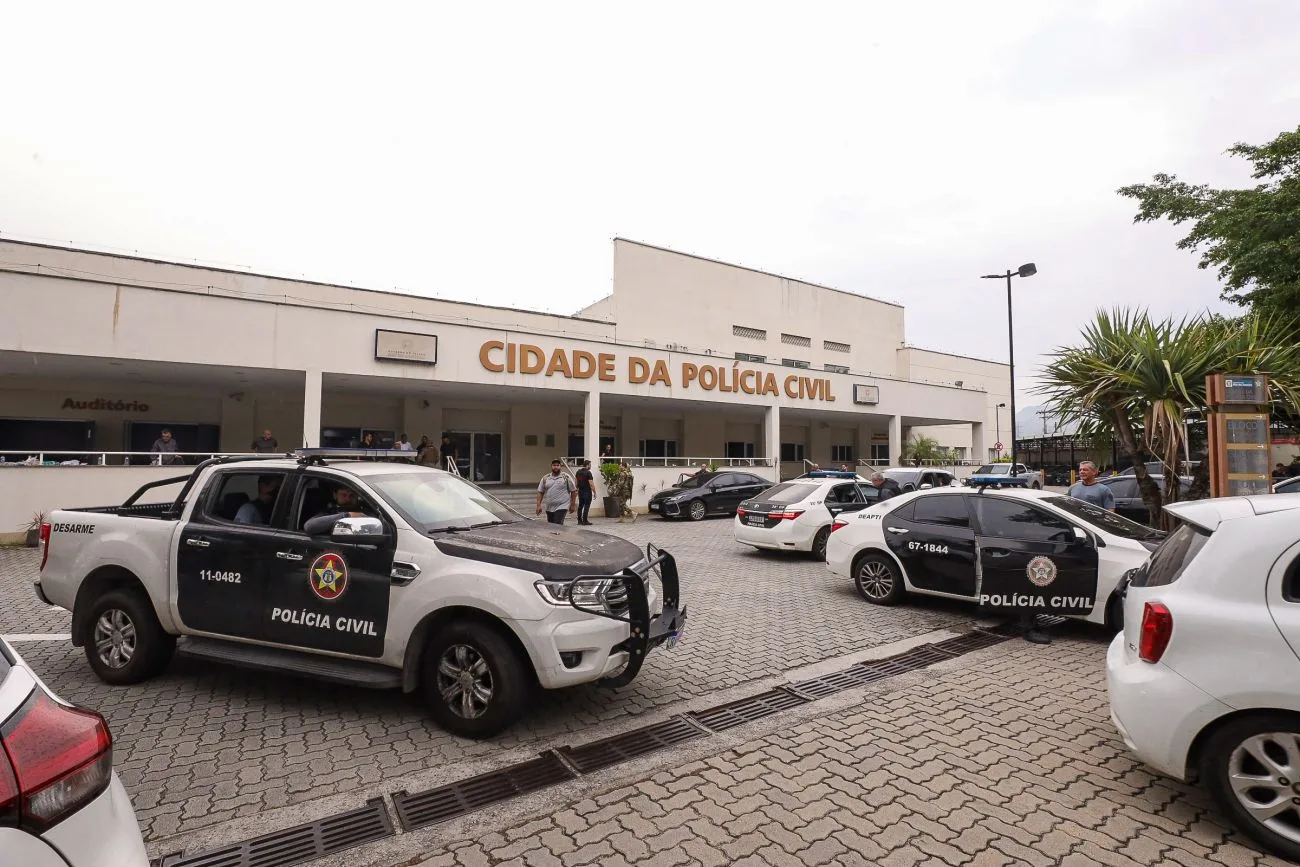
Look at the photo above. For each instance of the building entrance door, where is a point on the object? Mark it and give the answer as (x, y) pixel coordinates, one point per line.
(479, 455)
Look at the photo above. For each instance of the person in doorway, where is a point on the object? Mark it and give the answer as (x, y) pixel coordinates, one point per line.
(888, 487)
(266, 444)
(623, 491)
(556, 494)
(427, 453)
(258, 511)
(607, 453)
(586, 490)
(166, 449)
(404, 444)
(1090, 490)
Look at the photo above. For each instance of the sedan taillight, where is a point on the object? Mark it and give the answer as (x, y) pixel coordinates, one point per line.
(54, 760)
(838, 524)
(787, 515)
(1157, 629)
(45, 544)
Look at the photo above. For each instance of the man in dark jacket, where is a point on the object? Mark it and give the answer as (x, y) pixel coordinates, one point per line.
(888, 487)
(345, 504)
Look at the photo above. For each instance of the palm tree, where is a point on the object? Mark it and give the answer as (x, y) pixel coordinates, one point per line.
(925, 448)
(1138, 377)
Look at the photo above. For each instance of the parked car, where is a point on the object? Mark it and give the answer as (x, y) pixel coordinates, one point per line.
(1000, 548)
(1007, 476)
(1128, 498)
(1204, 681)
(422, 581)
(61, 803)
(795, 515)
(919, 478)
(1288, 486)
(705, 494)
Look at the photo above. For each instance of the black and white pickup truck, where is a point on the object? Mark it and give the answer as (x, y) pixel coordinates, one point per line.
(375, 574)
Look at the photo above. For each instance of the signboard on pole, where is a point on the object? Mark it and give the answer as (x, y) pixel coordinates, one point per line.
(1239, 434)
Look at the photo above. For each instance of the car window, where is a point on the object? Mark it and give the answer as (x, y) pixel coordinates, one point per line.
(1121, 487)
(869, 492)
(245, 498)
(991, 470)
(1172, 558)
(440, 501)
(725, 480)
(844, 494)
(949, 510)
(786, 492)
(316, 496)
(1010, 519)
(1098, 517)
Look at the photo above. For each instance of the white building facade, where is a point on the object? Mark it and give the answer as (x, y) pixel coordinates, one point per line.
(687, 360)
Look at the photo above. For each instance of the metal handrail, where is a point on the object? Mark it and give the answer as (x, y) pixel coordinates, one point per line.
(637, 461)
(452, 466)
(100, 458)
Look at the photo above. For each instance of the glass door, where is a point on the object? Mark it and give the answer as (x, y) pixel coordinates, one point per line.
(479, 455)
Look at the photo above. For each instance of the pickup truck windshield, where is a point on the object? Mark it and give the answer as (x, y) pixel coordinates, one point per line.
(993, 470)
(434, 501)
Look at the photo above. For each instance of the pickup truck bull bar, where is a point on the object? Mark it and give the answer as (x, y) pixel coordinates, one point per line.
(647, 631)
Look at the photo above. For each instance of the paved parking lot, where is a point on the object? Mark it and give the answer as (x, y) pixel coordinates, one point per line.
(204, 744)
(1003, 756)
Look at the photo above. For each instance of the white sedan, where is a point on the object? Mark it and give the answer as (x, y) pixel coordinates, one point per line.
(1205, 679)
(794, 515)
(61, 803)
(1006, 549)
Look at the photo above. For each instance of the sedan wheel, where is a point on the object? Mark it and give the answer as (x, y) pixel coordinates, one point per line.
(697, 510)
(877, 580)
(1252, 768)
(819, 543)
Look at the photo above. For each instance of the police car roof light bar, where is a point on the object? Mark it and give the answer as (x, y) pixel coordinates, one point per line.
(829, 474)
(318, 455)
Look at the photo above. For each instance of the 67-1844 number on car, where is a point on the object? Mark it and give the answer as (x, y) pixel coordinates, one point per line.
(928, 547)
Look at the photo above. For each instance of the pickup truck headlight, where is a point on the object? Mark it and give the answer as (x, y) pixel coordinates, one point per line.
(584, 592)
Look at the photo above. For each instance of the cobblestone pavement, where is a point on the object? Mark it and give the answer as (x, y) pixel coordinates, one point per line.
(204, 744)
(1005, 756)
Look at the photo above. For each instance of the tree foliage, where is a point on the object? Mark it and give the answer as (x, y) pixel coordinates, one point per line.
(1139, 377)
(921, 447)
(1251, 236)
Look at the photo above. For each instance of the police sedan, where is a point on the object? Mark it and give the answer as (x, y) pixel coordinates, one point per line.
(796, 516)
(1004, 549)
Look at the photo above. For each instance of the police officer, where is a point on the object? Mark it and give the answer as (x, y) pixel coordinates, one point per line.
(344, 504)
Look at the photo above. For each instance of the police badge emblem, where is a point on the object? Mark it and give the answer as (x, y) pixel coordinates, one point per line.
(328, 576)
(1041, 571)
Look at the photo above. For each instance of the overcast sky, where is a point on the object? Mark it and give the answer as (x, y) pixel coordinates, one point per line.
(490, 152)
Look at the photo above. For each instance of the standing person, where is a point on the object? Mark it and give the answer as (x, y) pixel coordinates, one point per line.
(166, 448)
(556, 494)
(1090, 490)
(888, 487)
(623, 490)
(586, 490)
(404, 444)
(266, 444)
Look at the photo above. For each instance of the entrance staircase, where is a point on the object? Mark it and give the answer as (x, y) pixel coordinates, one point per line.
(521, 498)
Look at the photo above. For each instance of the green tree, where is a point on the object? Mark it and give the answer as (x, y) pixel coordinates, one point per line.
(1252, 236)
(925, 448)
(1138, 377)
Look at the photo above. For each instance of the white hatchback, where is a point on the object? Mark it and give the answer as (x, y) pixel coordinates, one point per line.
(61, 803)
(796, 516)
(1205, 678)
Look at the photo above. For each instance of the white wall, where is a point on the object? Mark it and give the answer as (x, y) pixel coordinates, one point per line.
(670, 297)
(43, 489)
(991, 377)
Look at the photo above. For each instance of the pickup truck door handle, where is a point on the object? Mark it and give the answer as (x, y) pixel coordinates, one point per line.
(197, 543)
(896, 529)
(997, 552)
(288, 555)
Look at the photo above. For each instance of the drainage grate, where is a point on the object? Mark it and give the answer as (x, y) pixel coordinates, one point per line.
(611, 751)
(969, 642)
(455, 799)
(296, 845)
(737, 713)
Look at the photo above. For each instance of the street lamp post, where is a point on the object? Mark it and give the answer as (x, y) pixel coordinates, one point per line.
(1026, 270)
(997, 411)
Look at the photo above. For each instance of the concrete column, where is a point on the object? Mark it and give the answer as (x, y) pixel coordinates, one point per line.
(238, 423)
(772, 435)
(591, 429)
(895, 439)
(629, 433)
(311, 398)
(978, 453)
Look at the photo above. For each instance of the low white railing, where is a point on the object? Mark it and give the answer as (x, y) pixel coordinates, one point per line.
(452, 466)
(91, 458)
(673, 462)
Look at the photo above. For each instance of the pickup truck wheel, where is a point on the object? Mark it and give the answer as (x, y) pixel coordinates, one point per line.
(124, 641)
(474, 682)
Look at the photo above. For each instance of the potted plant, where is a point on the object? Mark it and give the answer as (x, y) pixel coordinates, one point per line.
(609, 473)
(33, 530)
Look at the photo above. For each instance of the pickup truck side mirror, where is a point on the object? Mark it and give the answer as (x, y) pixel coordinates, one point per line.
(927, 486)
(349, 528)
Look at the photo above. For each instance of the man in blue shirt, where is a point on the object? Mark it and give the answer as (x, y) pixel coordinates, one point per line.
(1090, 490)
